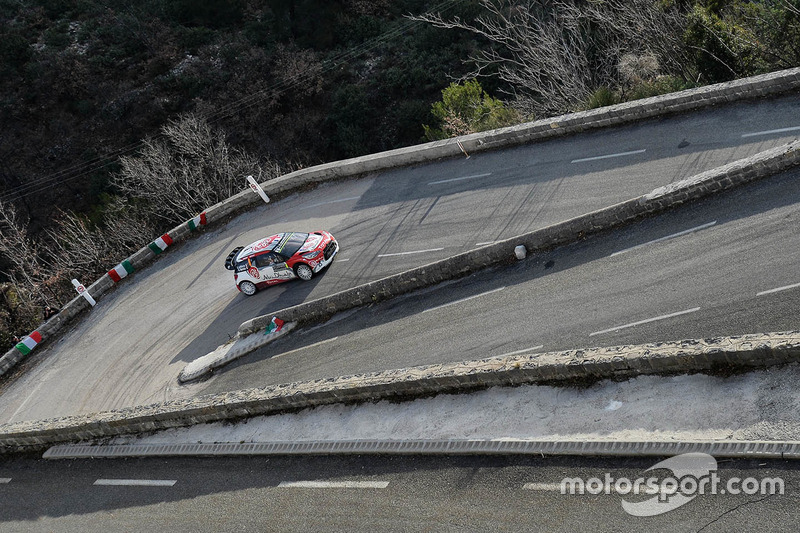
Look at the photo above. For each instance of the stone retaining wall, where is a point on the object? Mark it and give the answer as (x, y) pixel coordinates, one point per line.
(560, 368)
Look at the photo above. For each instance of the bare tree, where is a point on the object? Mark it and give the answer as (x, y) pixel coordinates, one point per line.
(87, 250)
(30, 271)
(555, 53)
(77, 244)
(190, 168)
(172, 179)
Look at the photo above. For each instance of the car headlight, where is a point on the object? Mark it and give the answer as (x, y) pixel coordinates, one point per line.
(311, 255)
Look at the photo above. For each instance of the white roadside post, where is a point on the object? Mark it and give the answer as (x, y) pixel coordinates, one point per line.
(257, 189)
(462, 148)
(83, 292)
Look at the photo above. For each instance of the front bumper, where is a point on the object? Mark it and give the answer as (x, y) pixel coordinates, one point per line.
(325, 262)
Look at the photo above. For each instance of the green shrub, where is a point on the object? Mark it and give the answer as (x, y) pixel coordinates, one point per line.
(208, 13)
(15, 51)
(57, 36)
(661, 85)
(191, 39)
(602, 97)
(351, 119)
(721, 48)
(467, 109)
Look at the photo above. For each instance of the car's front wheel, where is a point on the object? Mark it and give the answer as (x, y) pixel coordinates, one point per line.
(304, 272)
(248, 288)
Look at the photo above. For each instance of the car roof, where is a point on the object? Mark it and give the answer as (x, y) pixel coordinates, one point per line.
(283, 243)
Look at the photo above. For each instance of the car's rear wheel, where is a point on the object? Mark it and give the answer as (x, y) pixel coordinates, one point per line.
(248, 288)
(304, 272)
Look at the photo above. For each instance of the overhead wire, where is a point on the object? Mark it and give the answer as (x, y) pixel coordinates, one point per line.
(97, 163)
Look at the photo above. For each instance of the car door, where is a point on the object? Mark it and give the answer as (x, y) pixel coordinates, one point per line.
(272, 268)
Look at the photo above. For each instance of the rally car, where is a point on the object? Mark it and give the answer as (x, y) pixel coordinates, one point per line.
(279, 258)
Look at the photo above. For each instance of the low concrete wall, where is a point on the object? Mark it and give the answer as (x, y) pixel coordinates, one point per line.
(564, 368)
(759, 166)
(754, 87)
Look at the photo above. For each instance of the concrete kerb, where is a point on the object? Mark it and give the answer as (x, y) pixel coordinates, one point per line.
(756, 86)
(228, 352)
(566, 368)
(759, 166)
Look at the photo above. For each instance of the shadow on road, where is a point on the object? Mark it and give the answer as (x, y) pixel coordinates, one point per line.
(744, 202)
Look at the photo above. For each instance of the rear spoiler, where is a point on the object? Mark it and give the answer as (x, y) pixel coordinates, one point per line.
(229, 262)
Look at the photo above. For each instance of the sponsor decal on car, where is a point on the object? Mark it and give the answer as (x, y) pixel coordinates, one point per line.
(263, 244)
(253, 271)
(312, 242)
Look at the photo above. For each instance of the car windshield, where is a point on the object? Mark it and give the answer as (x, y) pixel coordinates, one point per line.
(290, 243)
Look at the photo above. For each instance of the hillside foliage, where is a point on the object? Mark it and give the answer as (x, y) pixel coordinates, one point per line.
(122, 118)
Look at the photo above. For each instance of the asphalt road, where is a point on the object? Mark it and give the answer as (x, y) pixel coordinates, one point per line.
(366, 493)
(131, 348)
(703, 270)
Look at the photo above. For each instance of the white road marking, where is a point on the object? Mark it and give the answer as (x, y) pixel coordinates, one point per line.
(523, 350)
(680, 233)
(769, 132)
(485, 243)
(331, 202)
(342, 260)
(464, 299)
(5, 480)
(137, 482)
(662, 317)
(334, 484)
(460, 179)
(304, 347)
(779, 289)
(621, 154)
(544, 487)
(414, 252)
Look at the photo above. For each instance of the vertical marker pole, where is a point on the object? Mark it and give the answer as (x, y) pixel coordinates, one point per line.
(462, 148)
(83, 292)
(257, 188)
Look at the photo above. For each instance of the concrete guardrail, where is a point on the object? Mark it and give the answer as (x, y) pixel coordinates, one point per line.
(571, 367)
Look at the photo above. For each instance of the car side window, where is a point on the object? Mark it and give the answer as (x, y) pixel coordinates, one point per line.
(267, 259)
(262, 260)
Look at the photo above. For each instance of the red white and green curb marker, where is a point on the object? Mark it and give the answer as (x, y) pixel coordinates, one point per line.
(29, 343)
(275, 325)
(160, 244)
(120, 271)
(196, 222)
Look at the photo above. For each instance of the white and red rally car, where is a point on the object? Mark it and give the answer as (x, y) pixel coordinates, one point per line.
(279, 258)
